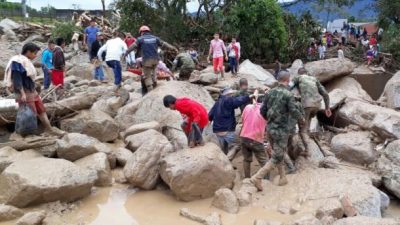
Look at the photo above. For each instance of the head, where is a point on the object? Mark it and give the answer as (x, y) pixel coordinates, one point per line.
(128, 35)
(144, 29)
(30, 50)
(60, 42)
(243, 84)
(51, 44)
(216, 36)
(284, 77)
(302, 71)
(169, 102)
(93, 22)
(99, 36)
(121, 35)
(233, 40)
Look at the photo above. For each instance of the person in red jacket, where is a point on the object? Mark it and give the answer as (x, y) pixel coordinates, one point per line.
(195, 117)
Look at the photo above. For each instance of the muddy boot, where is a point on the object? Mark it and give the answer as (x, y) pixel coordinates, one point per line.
(282, 175)
(258, 177)
(247, 169)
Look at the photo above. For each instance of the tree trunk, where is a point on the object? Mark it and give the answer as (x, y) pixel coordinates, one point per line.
(103, 4)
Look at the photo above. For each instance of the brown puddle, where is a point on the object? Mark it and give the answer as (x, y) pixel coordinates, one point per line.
(120, 205)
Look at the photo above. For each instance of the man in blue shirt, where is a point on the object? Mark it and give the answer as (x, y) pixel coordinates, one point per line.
(90, 35)
(47, 63)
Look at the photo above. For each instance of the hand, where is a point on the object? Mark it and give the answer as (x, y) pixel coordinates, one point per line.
(328, 113)
(208, 60)
(23, 98)
(226, 58)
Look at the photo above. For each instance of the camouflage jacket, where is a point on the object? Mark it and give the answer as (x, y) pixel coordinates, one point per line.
(280, 110)
(184, 61)
(311, 91)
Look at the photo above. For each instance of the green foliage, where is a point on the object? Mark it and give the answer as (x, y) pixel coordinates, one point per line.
(65, 30)
(391, 41)
(389, 11)
(260, 27)
(300, 31)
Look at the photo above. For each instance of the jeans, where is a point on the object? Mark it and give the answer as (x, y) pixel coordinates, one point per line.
(233, 64)
(98, 73)
(116, 66)
(227, 142)
(47, 78)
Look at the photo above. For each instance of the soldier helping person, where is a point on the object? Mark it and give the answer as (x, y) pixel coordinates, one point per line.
(278, 107)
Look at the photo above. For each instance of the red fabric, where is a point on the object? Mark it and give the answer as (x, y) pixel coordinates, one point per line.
(136, 71)
(218, 64)
(236, 49)
(373, 41)
(57, 77)
(36, 105)
(194, 111)
(130, 41)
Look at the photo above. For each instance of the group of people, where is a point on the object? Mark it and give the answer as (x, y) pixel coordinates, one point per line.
(271, 117)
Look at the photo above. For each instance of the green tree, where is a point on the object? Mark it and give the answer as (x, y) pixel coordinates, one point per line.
(389, 12)
(260, 27)
(65, 30)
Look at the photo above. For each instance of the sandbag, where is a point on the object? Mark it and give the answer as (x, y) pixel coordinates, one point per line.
(26, 122)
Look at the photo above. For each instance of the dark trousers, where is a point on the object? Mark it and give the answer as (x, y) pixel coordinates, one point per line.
(47, 77)
(233, 64)
(116, 66)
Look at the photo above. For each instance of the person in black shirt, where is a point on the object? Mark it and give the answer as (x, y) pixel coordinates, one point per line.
(98, 67)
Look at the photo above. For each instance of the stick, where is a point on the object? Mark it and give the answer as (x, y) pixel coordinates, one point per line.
(51, 91)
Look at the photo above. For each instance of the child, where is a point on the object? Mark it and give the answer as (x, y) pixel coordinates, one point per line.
(218, 51)
(47, 63)
(57, 77)
(340, 52)
(321, 51)
(234, 56)
(193, 53)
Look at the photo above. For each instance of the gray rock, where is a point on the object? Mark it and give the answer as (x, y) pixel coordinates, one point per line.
(384, 121)
(392, 92)
(119, 176)
(8, 212)
(72, 79)
(41, 180)
(97, 163)
(9, 24)
(143, 168)
(332, 207)
(124, 116)
(112, 104)
(244, 198)
(306, 220)
(248, 68)
(94, 123)
(139, 128)
(351, 87)
(32, 218)
(9, 155)
(263, 222)
(355, 147)
(326, 70)
(389, 167)
(74, 146)
(296, 65)
(83, 70)
(226, 200)
(197, 173)
(385, 200)
(336, 98)
(122, 155)
(204, 78)
(358, 220)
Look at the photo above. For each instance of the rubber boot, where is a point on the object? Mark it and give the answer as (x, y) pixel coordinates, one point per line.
(247, 169)
(258, 177)
(282, 179)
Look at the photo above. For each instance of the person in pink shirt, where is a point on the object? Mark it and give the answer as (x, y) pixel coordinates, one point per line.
(252, 137)
(218, 51)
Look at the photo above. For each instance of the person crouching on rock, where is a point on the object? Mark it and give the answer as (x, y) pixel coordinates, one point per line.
(19, 77)
(195, 118)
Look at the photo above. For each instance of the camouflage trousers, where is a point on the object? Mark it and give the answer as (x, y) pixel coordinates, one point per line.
(279, 143)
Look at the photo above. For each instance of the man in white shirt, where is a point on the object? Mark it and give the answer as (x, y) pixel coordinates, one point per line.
(115, 49)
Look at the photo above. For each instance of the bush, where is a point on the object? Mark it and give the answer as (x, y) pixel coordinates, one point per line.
(391, 41)
(260, 28)
(65, 30)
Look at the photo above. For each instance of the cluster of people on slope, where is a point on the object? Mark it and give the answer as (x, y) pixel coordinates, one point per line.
(271, 117)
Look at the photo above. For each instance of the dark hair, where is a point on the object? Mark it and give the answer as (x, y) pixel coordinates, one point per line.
(93, 20)
(169, 100)
(60, 41)
(302, 71)
(50, 41)
(30, 47)
(243, 81)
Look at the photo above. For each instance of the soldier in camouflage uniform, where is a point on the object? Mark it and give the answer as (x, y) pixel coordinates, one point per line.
(185, 63)
(311, 91)
(278, 107)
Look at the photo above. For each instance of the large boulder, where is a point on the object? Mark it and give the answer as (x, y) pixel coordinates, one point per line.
(151, 108)
(97, 163)
(364, 220)
(389, 167)
(69, 105)
(8, 212)
(391, 92)
(124, 116)
(296, 65)
(143, 168)
(74, 146)
(203, 77)
(122, 156)
(93, 123)
(351, 88)
(248, 68)
(336, 98)
(139, 128)
(355, 147)
(111, 105)
(326, 70)
(32, 218)
(197, 173)
(41, 180)
(9, 24)
(9, 155)
(82, 70)
(384, 121)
